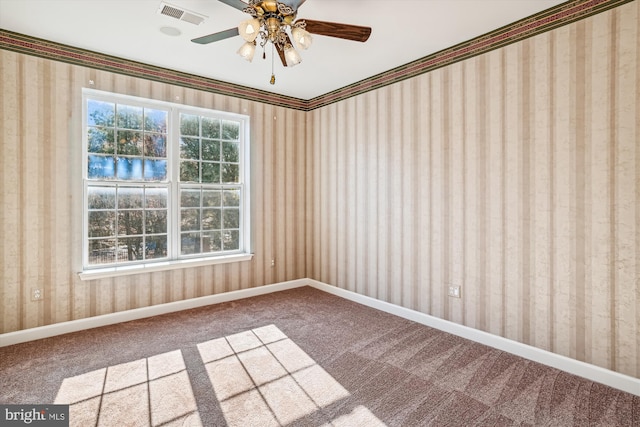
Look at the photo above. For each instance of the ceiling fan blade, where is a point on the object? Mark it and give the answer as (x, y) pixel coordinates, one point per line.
(240, 5)
(231, 32)
(342, 31)
(294, 4)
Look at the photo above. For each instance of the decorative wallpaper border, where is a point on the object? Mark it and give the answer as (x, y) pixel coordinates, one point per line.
(29, 45)
(557, 16)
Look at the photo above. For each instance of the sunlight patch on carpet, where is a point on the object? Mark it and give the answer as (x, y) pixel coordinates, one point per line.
(261, 377)
(153, 391)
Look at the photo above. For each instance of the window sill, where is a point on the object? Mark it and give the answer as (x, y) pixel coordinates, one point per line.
(102, 273)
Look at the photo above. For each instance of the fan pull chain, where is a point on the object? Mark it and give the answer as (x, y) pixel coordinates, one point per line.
(273, 76)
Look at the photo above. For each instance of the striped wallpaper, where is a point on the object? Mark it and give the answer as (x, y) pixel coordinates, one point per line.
(40, 195)
(514, 174)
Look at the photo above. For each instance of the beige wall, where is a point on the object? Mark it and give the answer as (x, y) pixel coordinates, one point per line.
(515, 175)
(40, 195)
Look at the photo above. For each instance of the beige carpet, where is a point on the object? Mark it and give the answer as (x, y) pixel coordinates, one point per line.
(298, 357)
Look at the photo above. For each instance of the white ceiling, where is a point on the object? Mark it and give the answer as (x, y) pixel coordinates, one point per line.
(402, 31)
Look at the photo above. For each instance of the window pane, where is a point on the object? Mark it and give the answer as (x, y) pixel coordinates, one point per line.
(211, 172)
(155, 170)
(129, 117)
(190, 198)
(102, 251)
(100, 113)
(190, 148)
(190, 243)
(129, 143)
(230, 173)
(189, 125)
(100, 140)
(190, 219)
(230, 130)
(130, 248)
(156, 197)
(155, 145)
(129, 168)
(129, 198)
(101, 197)
(231, 240)
(102, 223)
(211, 198)
(212, 241)
(232, 197)
(129, 223)
(156, 247)
(189, 172)
(230, 152)
(101, 167)
(155, 120)
(155, 222)
(210, 150)
(231, 218)
(210, 127)
(211, 219)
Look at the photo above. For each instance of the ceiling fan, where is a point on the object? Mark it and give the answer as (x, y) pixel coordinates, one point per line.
(275, 21)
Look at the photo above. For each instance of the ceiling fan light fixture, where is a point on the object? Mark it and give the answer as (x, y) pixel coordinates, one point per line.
(249, 29)
(302, 38)
(274, 22)
(247, 51)
(292, 56)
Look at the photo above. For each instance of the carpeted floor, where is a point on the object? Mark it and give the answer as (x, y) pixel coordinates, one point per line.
(298, 357)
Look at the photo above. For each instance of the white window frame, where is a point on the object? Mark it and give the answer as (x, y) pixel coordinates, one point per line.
(174, 260)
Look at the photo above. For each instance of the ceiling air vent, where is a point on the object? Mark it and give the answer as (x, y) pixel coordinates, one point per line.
(180, 13)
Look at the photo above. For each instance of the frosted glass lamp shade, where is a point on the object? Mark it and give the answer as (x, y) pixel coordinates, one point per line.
(249, 29)
(247, 51)
(292, 56)
(301, 37)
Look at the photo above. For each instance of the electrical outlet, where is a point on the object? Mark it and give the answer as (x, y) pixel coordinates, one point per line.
(273, 263)
(454, 291)
(37, 294)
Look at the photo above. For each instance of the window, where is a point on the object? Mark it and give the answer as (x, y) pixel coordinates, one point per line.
(162, 182)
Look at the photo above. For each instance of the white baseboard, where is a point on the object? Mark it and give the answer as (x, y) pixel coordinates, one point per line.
(572, 366)
(140, 313)
(591, 372)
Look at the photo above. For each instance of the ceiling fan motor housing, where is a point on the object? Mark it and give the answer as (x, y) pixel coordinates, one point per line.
(273, 25)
